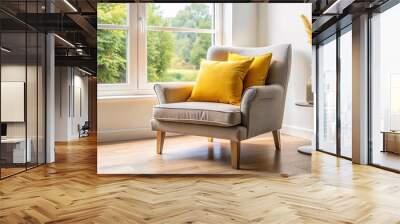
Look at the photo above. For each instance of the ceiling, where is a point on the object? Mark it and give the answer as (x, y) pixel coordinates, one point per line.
(74, 22)
(330, 15)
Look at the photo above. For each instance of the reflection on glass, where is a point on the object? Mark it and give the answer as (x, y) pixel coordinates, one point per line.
(22, 91)
(41, 99)
(385, 106)
(394, 101)
(327, 97)
(346, 94)
(31, 99)
(14, 153)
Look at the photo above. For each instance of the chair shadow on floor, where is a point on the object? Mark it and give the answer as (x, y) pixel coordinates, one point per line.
(188, 155)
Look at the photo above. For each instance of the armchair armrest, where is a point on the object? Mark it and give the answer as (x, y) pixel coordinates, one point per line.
(173, 93)
(262, 109)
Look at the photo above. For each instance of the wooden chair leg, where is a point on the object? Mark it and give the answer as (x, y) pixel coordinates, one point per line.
(235, 154)
(210, 139)
(160, 141)
(277, 139)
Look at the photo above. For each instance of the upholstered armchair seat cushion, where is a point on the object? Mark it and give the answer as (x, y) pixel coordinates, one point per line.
(207, 113)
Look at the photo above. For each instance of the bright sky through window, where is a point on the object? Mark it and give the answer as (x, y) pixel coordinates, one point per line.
(171, 9)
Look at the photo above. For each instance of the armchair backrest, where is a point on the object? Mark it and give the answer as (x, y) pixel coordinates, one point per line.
(279, 70)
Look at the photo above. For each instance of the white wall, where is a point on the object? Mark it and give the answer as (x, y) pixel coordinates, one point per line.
(249, 25)
(62, 82)
(67, 111)
(81, 104)
(281, 23)
(18, 73)
(124, 118)
(240, 27)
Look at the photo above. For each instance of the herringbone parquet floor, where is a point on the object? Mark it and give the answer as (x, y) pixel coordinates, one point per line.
(70, 191)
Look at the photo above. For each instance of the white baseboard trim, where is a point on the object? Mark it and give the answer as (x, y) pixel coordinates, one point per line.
(126, 134)
(298, 131)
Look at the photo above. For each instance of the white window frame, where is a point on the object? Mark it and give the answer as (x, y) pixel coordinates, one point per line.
(137, 53)
(131, 74)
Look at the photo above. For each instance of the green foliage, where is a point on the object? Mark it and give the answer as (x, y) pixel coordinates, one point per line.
(160, 46)
(190, 46)
(179, 75)
(199, 49)
(112, 13)
(170, 56)
(111, 56)
(194, 15)
(111, 44)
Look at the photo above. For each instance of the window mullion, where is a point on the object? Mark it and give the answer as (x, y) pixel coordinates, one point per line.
(137, 31)
(179, 29)
(142, 48)
(144, 84)
(218, 23)
(133, 46)
(112, 27)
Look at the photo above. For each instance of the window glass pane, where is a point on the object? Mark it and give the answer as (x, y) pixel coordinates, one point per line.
(32, 100)
(174, 57)
(394, 101)
(112, 56)
(192, 15)
(17, 152)
(346, 94)
(112, 13)
(385, 89)
(41, 99)
(327, 97)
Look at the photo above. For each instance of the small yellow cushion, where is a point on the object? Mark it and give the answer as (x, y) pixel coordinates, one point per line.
(220, 81)
(258, 70)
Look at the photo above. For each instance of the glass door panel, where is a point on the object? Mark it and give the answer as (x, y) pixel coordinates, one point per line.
(327, 96)
(31, 99)
(346, 94)
(13, 115)
(22, 78)
(41, 99)
(385, 89)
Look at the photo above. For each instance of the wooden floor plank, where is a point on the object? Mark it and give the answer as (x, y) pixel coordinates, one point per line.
(194, 155)
(70, 191)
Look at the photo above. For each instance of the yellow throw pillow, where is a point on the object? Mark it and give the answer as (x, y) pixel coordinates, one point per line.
(258, 70)
(220, 81)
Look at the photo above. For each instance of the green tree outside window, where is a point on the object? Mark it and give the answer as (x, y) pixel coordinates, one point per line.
(171, 56)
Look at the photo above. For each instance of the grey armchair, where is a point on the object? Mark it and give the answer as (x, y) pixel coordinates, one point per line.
(260, 111)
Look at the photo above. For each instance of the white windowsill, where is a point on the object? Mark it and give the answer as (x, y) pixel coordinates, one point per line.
(127, 97)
